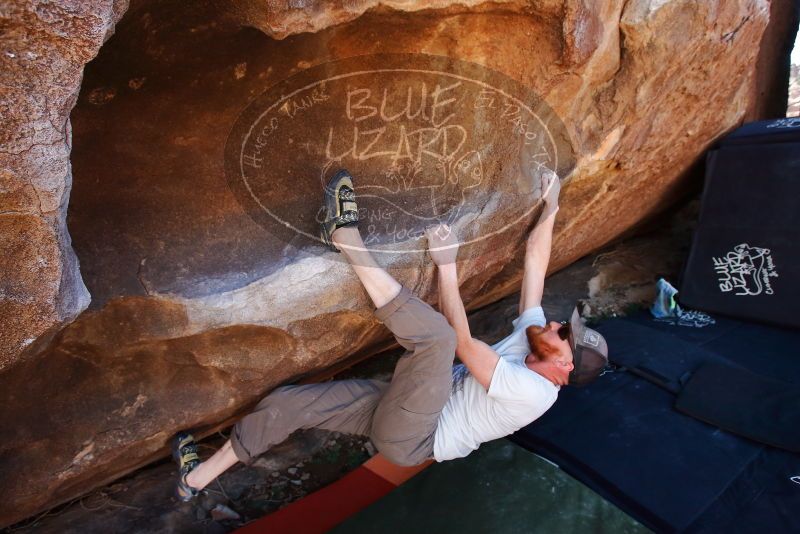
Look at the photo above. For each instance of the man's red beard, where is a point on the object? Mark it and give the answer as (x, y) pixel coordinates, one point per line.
(539, 346)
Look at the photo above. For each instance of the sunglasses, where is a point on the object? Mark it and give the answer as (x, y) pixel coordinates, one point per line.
(563, 331)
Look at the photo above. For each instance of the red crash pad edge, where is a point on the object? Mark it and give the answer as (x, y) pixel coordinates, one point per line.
(329, 506)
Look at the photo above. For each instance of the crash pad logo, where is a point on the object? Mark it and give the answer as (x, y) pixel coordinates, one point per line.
(427, 139)
(788, 122)
(746, 271)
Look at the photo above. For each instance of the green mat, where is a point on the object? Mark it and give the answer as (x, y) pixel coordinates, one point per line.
(500, 488)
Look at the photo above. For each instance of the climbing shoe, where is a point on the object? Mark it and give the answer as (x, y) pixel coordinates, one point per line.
(184, 451)
(339, 206)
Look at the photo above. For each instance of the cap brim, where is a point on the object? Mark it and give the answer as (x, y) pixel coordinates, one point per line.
(576, 330)
(589, 351)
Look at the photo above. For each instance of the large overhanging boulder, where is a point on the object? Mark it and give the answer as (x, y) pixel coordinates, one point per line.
(198, 148)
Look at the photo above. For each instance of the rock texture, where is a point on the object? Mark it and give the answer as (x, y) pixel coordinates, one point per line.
(44, 48)
(196, 310)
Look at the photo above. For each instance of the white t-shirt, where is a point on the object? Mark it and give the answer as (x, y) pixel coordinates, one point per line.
(516, 397)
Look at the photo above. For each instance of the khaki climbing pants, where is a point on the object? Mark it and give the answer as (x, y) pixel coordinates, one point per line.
(400, 417)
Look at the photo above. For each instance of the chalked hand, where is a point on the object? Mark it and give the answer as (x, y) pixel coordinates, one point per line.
(442, 244)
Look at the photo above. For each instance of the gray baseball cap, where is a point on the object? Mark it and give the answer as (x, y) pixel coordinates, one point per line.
(589, 351)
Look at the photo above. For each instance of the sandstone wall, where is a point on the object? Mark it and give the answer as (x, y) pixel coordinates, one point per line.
(45, 47)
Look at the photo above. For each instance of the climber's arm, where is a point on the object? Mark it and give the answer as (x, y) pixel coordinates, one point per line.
(537, 248)
(479, 358)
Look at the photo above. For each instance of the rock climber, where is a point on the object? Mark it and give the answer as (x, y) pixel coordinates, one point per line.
(430, 409)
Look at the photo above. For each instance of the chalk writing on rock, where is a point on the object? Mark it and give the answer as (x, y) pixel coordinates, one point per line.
(427, 139)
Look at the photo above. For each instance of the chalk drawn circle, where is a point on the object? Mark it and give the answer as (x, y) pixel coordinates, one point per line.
(412, 167)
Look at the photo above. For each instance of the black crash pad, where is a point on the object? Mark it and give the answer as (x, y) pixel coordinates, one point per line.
(622, 437)
(744, 261)
(744, 403)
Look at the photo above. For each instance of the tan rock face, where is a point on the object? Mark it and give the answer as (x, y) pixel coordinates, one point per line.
(44, 48)
(208, 286)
